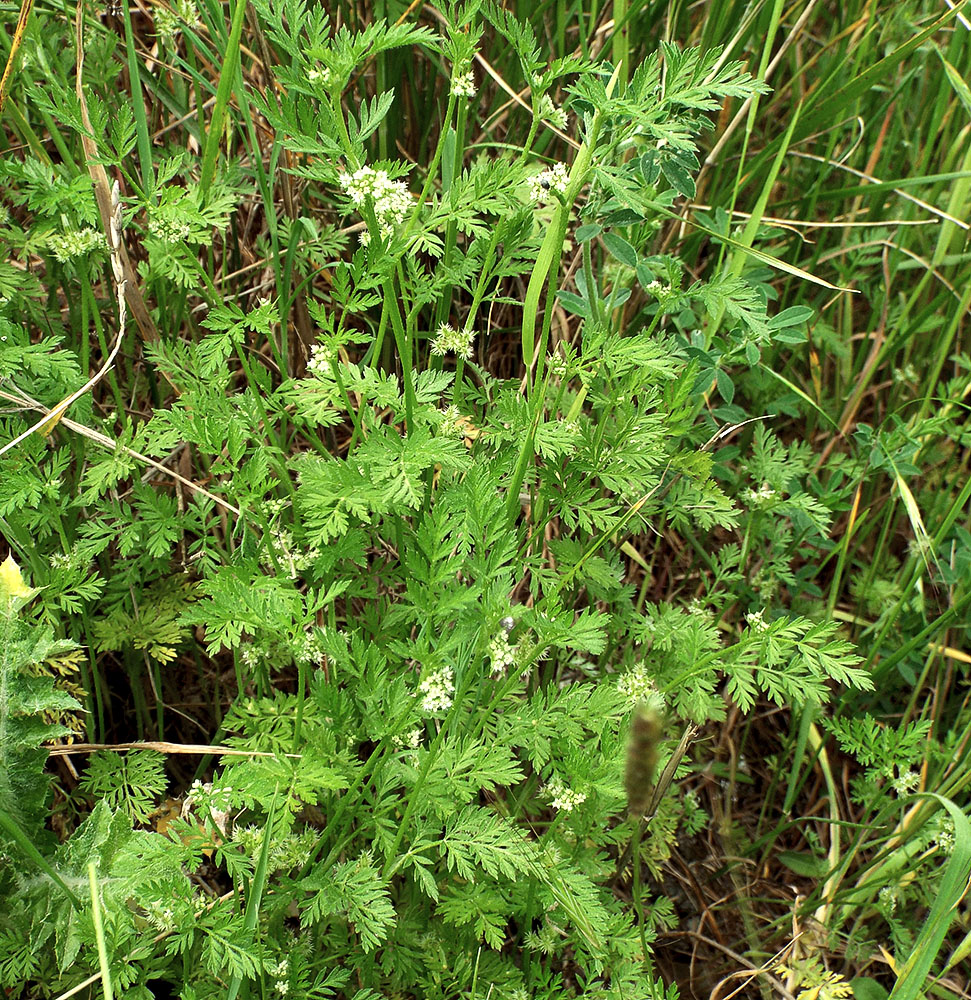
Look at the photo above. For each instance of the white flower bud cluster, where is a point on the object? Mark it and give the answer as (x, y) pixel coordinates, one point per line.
(169, 230)
(309, 647)
(448, 340)
(391, 199)
(76, 243)
(463, 83)
(321, 357)
(437, 690)
(549, 112)
(944, 841)
(563, 797)
(280, 971)
(639, 688)
(501, 653)
(557, 365)
(450, 424)
(887, 898)
(287, 552)
(408, 741)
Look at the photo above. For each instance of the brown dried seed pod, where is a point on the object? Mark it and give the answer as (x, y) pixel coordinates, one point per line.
(645, 734)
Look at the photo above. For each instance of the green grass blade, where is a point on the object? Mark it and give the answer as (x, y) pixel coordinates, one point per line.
(913, 975)
(223, 93)
(24, 843)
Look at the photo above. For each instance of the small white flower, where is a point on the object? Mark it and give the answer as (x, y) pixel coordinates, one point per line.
(438, 690)
(308, 647)
(319, 74)
(562, 797)
(321, 357)
(545, 185)
(391, 199)
(463, 84)
(760, 497)
(216, 801)
(408, 741)
(756, 621)
(448, 340)
(696, 607)
(557, 366)
(170, 230)
(638, 687)
(501, 653)
(944, 842)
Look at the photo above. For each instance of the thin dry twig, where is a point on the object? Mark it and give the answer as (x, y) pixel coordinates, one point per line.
(47, 422)
(23, 399)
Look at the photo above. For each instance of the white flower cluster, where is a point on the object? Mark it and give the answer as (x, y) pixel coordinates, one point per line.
(321, 357)
(944, 841)
(563, 797)
(309, 647)
(463, 84)
(279, 971)
(639, 688)
(549, 112)
(760, 497)
(756, 621)
(408, 741)
(218, 802)
(553, 181)
(448, 340)
(390, 198)
(438, 690)
(75, 243)
(170, 230)
(501, 653)
(319, 74)
(286, 551)
(557, 365)
(249, 655)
